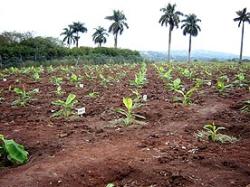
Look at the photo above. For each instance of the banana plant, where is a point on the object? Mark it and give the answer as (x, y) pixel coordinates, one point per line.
(168, 74)
(66, 107)
(140, 77)
(186, 96)
(211, 132)
(137, 96)
(59, 91)
(57, 81)
(130, 115)
(24, 97)
(12, 151)
(187, 73)
(50, 69)
(104, 80)
(240, 80)
(93, 94)
(175, 85)
(139, 80)
(74, 79)
(36, 76)
(221, 86)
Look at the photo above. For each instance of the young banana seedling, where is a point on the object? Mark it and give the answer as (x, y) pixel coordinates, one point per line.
(240, 80)
(187, 73)
(59, 91)
(105, 80)
(66, 107)
(57, 81)
(140, 77)
(130, 115)
(175, 85)
(12, 151)
(186, 96)
(74, 79)
(211, 132)
(24, 97)
(93, 94)
(36, 76)
(221, 84)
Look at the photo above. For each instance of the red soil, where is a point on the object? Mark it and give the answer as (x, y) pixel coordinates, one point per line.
(89, 151)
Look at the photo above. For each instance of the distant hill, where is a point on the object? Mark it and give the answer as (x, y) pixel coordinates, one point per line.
(181, 55)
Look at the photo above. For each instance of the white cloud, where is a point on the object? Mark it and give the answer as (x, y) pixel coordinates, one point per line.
(49, 17)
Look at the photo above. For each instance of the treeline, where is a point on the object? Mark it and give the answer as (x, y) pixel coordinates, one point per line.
(18, 48)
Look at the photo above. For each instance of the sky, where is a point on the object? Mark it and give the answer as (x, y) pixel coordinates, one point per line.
(48, 17)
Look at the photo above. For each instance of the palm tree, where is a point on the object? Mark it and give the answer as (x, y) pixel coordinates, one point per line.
(244, 16)
(117, 27)
(171, 18)
(190, 27)
(99, 35)
(68, 36)
(77, 28)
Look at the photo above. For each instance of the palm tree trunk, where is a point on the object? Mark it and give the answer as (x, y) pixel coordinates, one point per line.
(189, 48)
(241, 46)
(116, 40)
(77, 38)
(169, 43)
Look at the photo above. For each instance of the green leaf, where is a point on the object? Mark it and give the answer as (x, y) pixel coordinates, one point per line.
(191, 91)
(110, 185)
(128, 102)
(58, 103)
(18, 90)
(70, 99)
(121, 111)
(15, 152)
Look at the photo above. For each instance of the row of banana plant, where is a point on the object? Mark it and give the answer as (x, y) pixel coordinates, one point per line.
(174, 78)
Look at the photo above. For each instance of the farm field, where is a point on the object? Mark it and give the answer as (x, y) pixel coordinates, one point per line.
(167, 146)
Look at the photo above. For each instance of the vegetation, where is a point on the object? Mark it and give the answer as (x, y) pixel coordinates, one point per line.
(140, 77)
(119, 23)
(190, 27)
(246, 107)
(72, 33)
(170, 18)
(212, 133)
(99, 36)
(24, 49)
(12, 151)
(243, 16)
(68, 36)
(129, 113)
(24, 97)
(66, 107)
(186, 96)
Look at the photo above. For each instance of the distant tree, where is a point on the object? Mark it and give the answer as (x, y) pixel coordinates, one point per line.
(119, 22)
(14, 37)
(77, 28)
(244, 16)
(68, 36)
(170, 17)
(190, 27)
(99, 36)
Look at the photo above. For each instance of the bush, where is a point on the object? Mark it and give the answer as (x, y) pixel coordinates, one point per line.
(17, 48)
